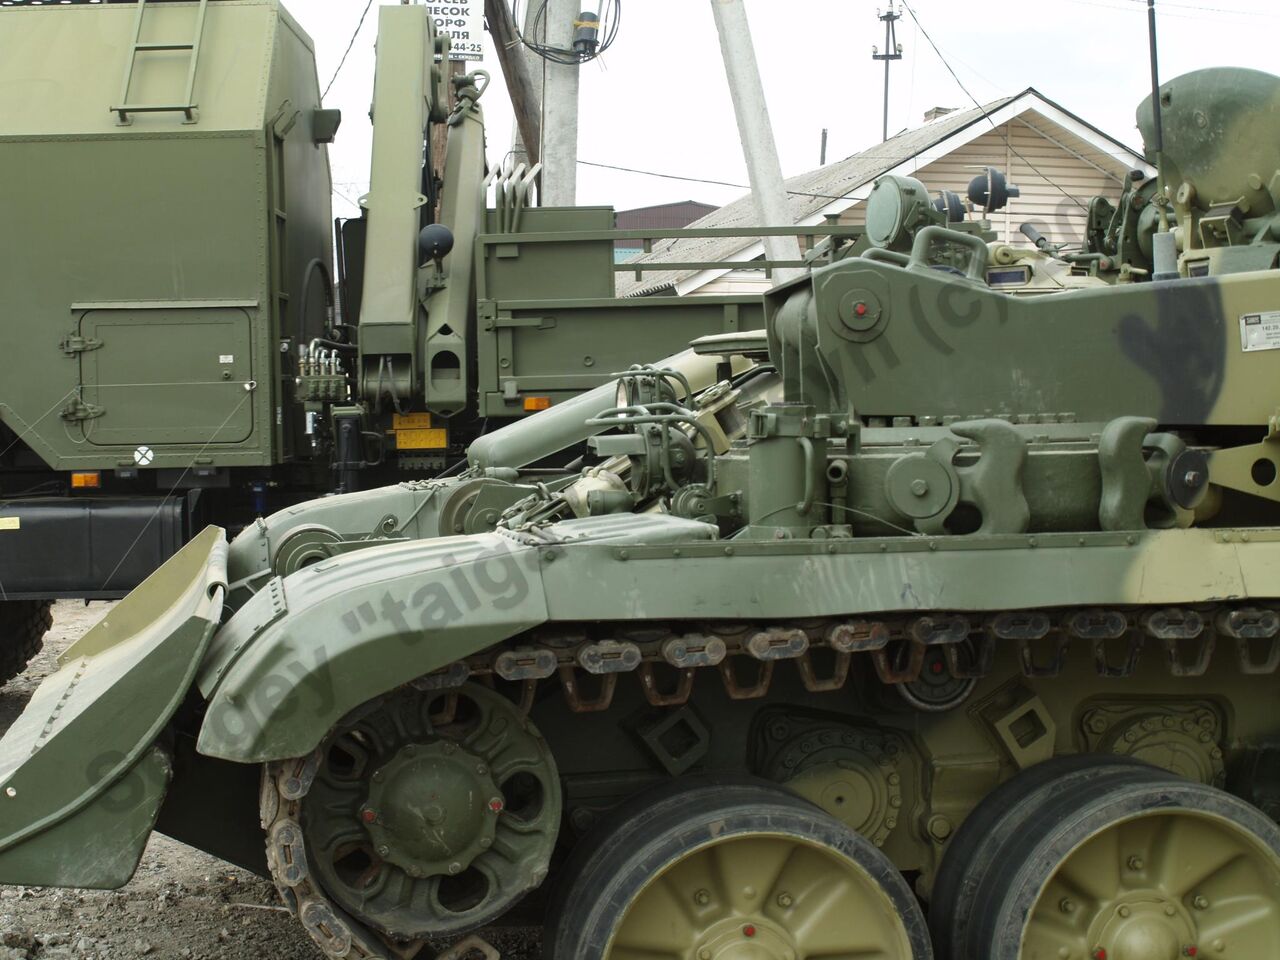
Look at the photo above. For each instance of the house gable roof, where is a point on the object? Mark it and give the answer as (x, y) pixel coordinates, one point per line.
(832, 189)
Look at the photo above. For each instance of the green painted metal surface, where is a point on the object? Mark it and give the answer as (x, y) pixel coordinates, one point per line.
(152, 282)
(84, 758)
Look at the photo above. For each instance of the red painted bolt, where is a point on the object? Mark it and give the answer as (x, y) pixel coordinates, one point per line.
(368, 816)
(1099, 954)
(749, 930)
(1190, 951)
(860, 308)
(496, 805)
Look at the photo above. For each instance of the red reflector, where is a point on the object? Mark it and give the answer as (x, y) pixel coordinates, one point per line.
(749, 930)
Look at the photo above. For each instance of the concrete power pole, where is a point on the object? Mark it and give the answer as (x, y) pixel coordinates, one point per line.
(892, 51)
(560, 110)
(758, 147)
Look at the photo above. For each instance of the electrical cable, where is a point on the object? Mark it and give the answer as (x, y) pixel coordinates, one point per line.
(981, 109)
(1182, 11)
(721, 183)
(609, 17)
(351, 43)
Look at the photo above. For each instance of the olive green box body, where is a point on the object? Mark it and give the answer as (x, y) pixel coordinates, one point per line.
(153, 264)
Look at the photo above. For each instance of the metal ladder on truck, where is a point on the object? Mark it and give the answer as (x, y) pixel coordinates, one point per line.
(187, 107)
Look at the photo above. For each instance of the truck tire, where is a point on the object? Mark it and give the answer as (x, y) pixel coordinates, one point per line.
(23, 624)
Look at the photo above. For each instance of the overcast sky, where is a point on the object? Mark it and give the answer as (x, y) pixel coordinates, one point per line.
(658, 101)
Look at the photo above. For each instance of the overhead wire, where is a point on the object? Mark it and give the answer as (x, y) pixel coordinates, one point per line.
(350, 43)
(983, 110)
(1141, 6)
(716, 183)
(1178, 11)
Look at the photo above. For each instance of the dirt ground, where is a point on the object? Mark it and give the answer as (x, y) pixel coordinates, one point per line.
(181, 905)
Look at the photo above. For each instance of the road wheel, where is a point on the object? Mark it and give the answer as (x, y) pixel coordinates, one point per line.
(1134, 868)
(23, 624)
(748, 872)
(976, 845)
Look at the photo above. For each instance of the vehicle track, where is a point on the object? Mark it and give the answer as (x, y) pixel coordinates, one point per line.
(181, 905)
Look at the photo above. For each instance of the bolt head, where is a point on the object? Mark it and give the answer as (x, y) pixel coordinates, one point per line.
(919, 486)
(1066, 905)
(1136, 863)
(384, 850)
(1200, 903)
(1124, 911)
(785, 901)
(455, 868)
(702, 898)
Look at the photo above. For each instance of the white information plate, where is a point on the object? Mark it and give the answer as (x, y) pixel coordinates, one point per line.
(1260, 331)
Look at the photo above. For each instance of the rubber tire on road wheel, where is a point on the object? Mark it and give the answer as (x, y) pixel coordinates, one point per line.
(1027, 860)
(620, 860)
(971, 852)
(23, 624)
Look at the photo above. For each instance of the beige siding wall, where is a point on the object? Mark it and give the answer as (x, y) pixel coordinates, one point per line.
(735, 283)
(1056, 184)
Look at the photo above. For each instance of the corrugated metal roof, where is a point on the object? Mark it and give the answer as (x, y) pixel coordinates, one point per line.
(808, 193)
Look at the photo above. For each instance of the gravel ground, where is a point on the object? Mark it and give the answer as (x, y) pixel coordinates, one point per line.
(181, 904)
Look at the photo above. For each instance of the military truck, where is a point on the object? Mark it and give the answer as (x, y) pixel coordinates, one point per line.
(181, 350)
(944, 623)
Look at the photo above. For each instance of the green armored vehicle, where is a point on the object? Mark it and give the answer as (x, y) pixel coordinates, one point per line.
(176, 351)
(944, 622)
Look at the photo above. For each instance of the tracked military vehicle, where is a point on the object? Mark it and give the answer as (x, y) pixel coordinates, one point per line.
(960, 639)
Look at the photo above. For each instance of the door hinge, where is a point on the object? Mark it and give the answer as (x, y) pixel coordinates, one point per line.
(74, 343)
(77, 409)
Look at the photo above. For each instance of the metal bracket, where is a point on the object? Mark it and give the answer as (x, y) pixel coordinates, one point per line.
(73, 343)
(1126, 481)
(79, 410)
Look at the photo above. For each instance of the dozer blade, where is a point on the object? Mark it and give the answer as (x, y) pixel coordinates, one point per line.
(82, 776)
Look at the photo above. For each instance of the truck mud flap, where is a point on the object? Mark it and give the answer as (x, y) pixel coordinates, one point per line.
(82, 774)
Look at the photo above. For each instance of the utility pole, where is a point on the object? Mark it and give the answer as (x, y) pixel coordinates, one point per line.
(892, 51)
(560, 109)
(523, 86)
(758, 147)
(440, 132)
